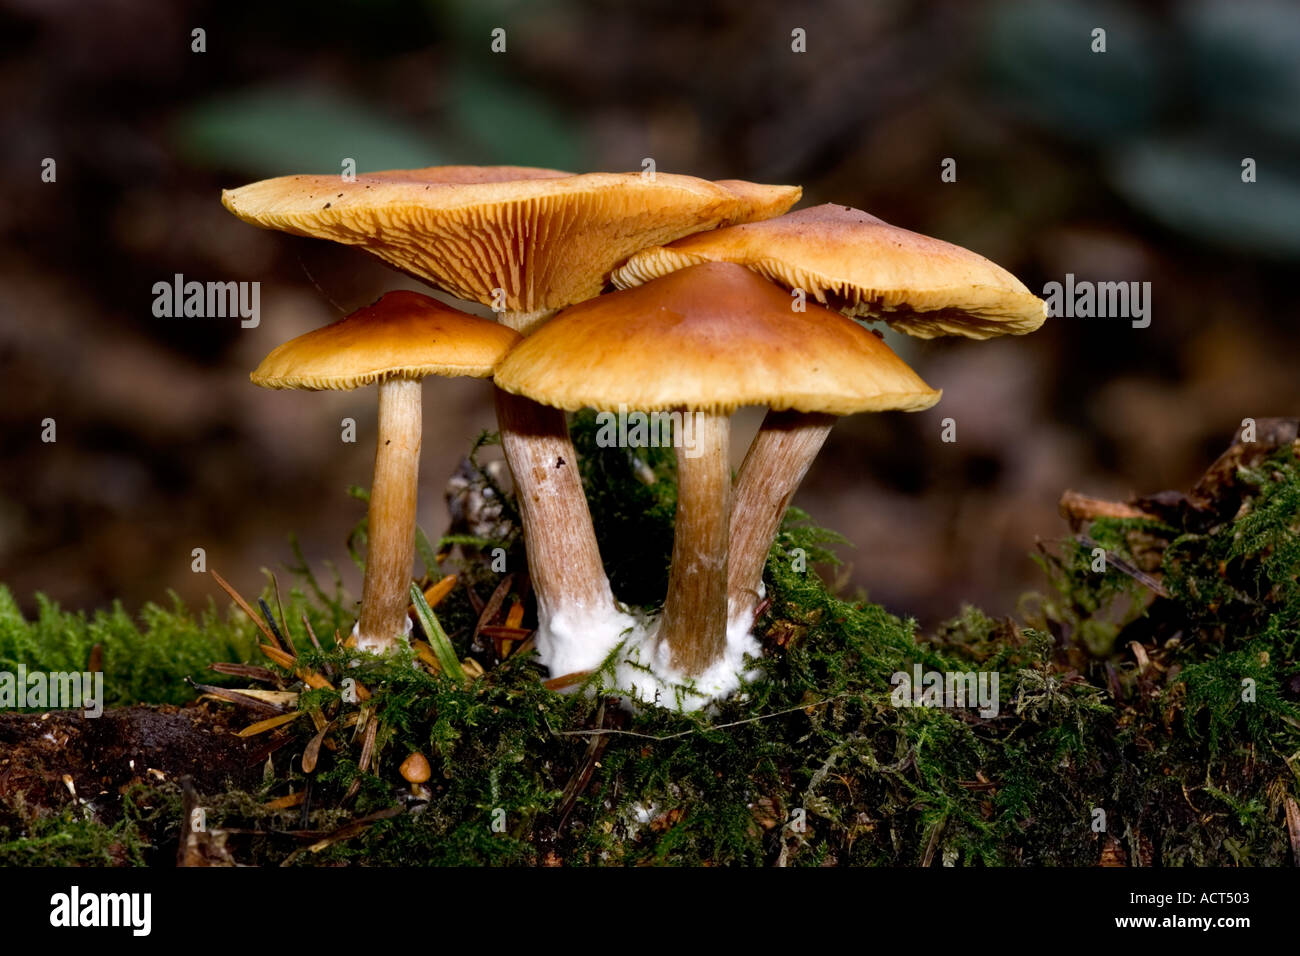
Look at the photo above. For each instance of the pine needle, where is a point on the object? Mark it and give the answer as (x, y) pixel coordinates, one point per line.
(243, 606)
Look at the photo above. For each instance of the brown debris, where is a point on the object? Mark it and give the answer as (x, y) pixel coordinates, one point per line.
(1112, 853)
(199, 846)
(1079, 509)
(247, 671)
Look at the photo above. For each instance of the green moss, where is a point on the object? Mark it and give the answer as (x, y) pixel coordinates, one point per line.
(72, 837)
(65, 841)
(146, 657)
(632, 494)
(1237, 589)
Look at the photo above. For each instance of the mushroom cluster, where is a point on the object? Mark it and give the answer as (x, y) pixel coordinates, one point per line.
(722, 301)
(525, 242)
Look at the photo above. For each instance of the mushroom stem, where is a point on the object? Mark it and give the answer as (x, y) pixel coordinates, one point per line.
(390, 548)
(694, 622)
(775, 464)
(578, 623)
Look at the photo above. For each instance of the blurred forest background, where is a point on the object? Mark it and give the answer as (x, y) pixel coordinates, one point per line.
(1117, 166)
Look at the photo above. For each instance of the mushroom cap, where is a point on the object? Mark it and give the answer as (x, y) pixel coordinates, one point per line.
(415, 768)
(710, 337)
(403, 335)
(547, 238)
(853, 262)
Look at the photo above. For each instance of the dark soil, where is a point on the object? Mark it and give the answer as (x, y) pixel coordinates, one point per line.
(107, 755)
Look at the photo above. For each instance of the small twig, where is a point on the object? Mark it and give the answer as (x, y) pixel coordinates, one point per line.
(304, 818)
(1138, 575)
(933, 843)
(326, 666)
(345, 832)
(311, 634)
(699, 730)
(1078, 508)
(584, 774)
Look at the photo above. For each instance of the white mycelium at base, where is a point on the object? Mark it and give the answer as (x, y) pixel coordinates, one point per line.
(644, 673)
(362, 644)
(575, 638)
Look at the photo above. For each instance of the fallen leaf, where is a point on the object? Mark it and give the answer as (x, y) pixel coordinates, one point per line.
(262, 726)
